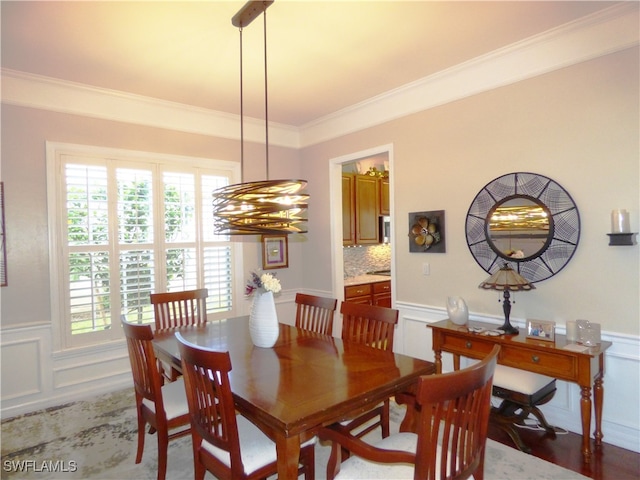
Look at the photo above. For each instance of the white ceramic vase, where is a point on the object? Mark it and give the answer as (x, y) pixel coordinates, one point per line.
(457, 310)
(263, 320)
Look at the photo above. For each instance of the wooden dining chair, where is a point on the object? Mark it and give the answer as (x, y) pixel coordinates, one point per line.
(177, 309)
(372, 326)
(449, 443)
(315, 313)
(224, 443)
(163, 407)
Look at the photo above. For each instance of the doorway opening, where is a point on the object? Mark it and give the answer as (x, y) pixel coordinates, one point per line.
(351, 260)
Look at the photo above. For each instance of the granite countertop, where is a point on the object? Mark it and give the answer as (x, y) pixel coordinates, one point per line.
(360, 279)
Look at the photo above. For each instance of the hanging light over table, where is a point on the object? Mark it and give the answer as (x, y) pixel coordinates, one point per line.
(266, 206)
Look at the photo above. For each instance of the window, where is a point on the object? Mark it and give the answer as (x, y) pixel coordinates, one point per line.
(127, 224)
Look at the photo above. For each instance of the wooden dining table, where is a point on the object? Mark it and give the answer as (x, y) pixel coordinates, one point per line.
(307, 380)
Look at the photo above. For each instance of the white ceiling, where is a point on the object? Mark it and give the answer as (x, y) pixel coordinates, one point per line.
(323, 56)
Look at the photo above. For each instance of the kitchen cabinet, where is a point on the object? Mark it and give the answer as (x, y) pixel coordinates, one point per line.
(382, 294)
(384, 197)
(348, 209)
(367, 211)
(358, 293)
(374, 293)
(361, 201)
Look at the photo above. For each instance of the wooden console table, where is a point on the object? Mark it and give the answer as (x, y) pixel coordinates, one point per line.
(544, 357)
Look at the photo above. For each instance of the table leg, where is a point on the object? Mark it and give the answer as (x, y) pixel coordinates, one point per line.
(438, 361)
(585, 410)
(288, 451)
(456, 362)
(598, 396)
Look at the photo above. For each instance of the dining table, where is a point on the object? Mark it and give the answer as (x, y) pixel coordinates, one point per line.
(305, 381)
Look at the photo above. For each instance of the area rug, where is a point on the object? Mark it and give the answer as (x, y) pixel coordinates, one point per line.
(96, 439)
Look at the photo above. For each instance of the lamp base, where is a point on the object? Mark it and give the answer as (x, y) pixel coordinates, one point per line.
(509, 329)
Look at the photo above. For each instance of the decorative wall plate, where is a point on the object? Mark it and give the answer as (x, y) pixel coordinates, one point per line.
(426, 232)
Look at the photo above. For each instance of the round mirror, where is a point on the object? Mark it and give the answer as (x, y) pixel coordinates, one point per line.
(527, 219)
(519, 228)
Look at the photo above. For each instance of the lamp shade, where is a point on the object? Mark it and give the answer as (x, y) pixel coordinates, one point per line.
(507, 279)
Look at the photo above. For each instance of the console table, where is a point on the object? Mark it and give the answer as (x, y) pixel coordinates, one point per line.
(547, 358)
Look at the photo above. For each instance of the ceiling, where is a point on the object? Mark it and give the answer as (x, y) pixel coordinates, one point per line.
(323, 56)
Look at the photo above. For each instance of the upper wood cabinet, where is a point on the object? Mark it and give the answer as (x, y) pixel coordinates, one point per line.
(348, 209)
(364, 199)
(367, 209)
(384, 197)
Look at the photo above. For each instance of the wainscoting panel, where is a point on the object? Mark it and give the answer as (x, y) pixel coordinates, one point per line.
(22, 361)
(621, 426)
(39, 379)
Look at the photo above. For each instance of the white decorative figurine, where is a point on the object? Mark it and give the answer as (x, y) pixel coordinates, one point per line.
(457, 310)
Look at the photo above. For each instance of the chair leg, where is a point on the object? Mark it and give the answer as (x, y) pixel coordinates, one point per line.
(479, 472)
(307, 460)
(141, 435)
(199, 469)
(543, 421)
(515, 436)
(384, 419)
(335, 459)
(163, 448)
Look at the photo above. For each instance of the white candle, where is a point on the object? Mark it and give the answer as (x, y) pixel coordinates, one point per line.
(620, 221)
(572, 331)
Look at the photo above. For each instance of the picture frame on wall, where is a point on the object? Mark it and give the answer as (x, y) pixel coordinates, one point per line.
(275, 252)
(541, 330)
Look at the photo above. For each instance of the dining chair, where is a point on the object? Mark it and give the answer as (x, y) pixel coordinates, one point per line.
(224, 443)
(373, 326)
(449, 443)
(177, 309)
(163, 407)
(315, 313)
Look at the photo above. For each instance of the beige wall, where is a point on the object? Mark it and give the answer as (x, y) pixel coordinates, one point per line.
(24, 133)
(578, 125)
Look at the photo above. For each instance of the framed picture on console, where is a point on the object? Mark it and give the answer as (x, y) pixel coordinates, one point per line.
(541, 330)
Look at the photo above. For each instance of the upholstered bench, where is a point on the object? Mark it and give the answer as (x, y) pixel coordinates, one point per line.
(521, 393)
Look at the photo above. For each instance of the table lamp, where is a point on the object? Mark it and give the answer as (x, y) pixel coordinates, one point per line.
(507, 280)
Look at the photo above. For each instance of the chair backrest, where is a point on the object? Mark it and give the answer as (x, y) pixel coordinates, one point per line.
(178, 309)
(368, 324)
(454, 407)
(211, 407)
(146, 377)
(315, 313)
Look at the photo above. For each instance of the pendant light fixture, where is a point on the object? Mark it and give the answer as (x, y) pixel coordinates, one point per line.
(265, 206)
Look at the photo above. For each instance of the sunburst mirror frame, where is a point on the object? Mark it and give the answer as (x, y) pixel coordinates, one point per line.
(564, 225)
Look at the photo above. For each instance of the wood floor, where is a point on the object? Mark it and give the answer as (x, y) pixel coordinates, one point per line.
(608, 463)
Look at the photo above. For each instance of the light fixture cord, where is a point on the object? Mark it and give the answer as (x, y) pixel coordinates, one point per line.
(266, 100)
(241, 116)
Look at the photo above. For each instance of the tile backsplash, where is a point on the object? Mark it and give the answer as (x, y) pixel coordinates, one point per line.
(362, 259)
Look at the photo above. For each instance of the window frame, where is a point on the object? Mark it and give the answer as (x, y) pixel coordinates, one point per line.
(56, 203)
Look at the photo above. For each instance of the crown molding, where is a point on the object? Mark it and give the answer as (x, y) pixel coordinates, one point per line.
(46, 93)
(607, 31)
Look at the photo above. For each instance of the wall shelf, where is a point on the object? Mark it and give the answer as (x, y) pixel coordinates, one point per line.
(619, 239)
